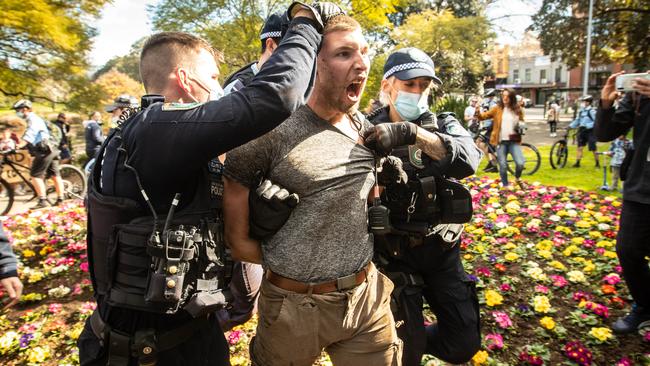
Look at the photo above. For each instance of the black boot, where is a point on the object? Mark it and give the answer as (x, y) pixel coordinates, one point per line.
(577, 164)
(490, 168)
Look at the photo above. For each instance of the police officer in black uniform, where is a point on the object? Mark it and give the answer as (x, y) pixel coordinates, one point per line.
(157, 261)
(270, 36)
(420, 251)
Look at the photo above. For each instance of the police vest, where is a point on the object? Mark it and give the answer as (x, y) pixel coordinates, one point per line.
(428, 199)
(135, 262)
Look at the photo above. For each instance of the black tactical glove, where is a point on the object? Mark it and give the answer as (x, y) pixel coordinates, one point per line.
(392, 171)
(269, 208)
(383, 137)
(322, 11)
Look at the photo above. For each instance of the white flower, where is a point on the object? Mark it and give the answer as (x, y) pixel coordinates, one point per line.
(554, 218)
(572, 213)
(603, 227)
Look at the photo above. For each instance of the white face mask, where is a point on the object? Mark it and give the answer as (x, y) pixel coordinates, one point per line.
(21, 114)
(214, 93)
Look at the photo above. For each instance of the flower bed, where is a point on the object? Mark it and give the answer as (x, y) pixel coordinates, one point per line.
(543, 260)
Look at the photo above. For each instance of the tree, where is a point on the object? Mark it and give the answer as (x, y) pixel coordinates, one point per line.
(114, 83)
(233, 26)
(621, 31)
(128, 64)
(44, 40)
(456, 45)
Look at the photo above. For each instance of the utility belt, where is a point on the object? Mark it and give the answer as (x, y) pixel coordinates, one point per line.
(429, 199)
(145, 345)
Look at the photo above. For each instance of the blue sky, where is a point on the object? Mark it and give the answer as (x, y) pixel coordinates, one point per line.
(125, 21)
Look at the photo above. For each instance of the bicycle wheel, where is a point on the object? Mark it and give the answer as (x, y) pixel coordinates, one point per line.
(74, 183)
(532, 160)
(559, 154)
(6, 197)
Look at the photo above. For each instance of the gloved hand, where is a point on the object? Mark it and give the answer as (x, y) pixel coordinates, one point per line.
(269, 208)
(392, 171)
(383, 137)
(322, 11)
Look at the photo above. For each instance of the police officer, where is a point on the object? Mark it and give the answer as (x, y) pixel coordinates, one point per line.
(420, 254)
(117, 108)
(247, 277)
(585, 125)
(155, 253)
(270, 36)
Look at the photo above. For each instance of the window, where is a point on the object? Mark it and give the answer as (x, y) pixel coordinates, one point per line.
(527, 74)
(515, 75)
(558, 74)
(542, 76)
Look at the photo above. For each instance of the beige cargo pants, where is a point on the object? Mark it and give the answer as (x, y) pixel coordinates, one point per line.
(355, 327)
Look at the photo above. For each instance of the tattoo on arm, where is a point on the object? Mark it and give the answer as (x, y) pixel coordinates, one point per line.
(430, 144)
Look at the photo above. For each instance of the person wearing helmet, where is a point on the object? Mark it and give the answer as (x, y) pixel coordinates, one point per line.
(421, 254)
(585, 125)
(120, 104)
(46, 154)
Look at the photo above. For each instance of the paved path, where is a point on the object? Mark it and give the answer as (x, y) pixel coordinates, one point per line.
(538, 130)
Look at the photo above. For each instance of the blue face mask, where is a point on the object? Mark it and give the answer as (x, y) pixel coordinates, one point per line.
(410, 105)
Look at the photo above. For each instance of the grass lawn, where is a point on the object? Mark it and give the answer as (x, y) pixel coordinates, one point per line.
(587, 177)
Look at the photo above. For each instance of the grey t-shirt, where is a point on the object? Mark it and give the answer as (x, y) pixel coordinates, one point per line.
(326, 236)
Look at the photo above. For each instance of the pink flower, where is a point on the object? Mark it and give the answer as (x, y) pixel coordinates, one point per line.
(493, 341)
(578, 353)
(624, 362)
(558, 281)
(234, 337)
(76, 289)
(505, 287)
(646, 336)
(87, 307)
(84, 266)
(54, 308)
(483, 271)
(598, 309)
(612, 279)
(541, 288)
(502, 319)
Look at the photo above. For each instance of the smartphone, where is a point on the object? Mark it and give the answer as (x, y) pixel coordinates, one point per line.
(624, 82)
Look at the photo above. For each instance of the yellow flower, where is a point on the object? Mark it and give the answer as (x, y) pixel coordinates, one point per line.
(579, 259)
(544, 245)
(561, 213)
(602, 334)
(479, 248)
(238, 360)
(568, 251)
(547, 322)
(510, 246)
(493, 298)
(583, 224)
(28, 253)
(546, 254)
(75, 333)
(480, 358)
(589, 266)
(7, 340)
(610, 254)
(35, 277)
(511, 257)
(578, 240)
(558, 265)
(576, 276)
(616, 203)
(595, 234)
(604, 244)
(541, 304)
(38, 354)
(468, 257)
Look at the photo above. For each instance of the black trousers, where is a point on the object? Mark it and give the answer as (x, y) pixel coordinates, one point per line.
(207, 346)
(455, 337)
(632, 246)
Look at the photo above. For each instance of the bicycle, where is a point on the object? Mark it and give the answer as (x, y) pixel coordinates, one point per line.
(531, 154)
(559, 154)
(74, 182)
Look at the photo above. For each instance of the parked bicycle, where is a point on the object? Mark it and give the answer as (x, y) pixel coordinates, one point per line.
(560, 150)
(530, 152)
(18, 187)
